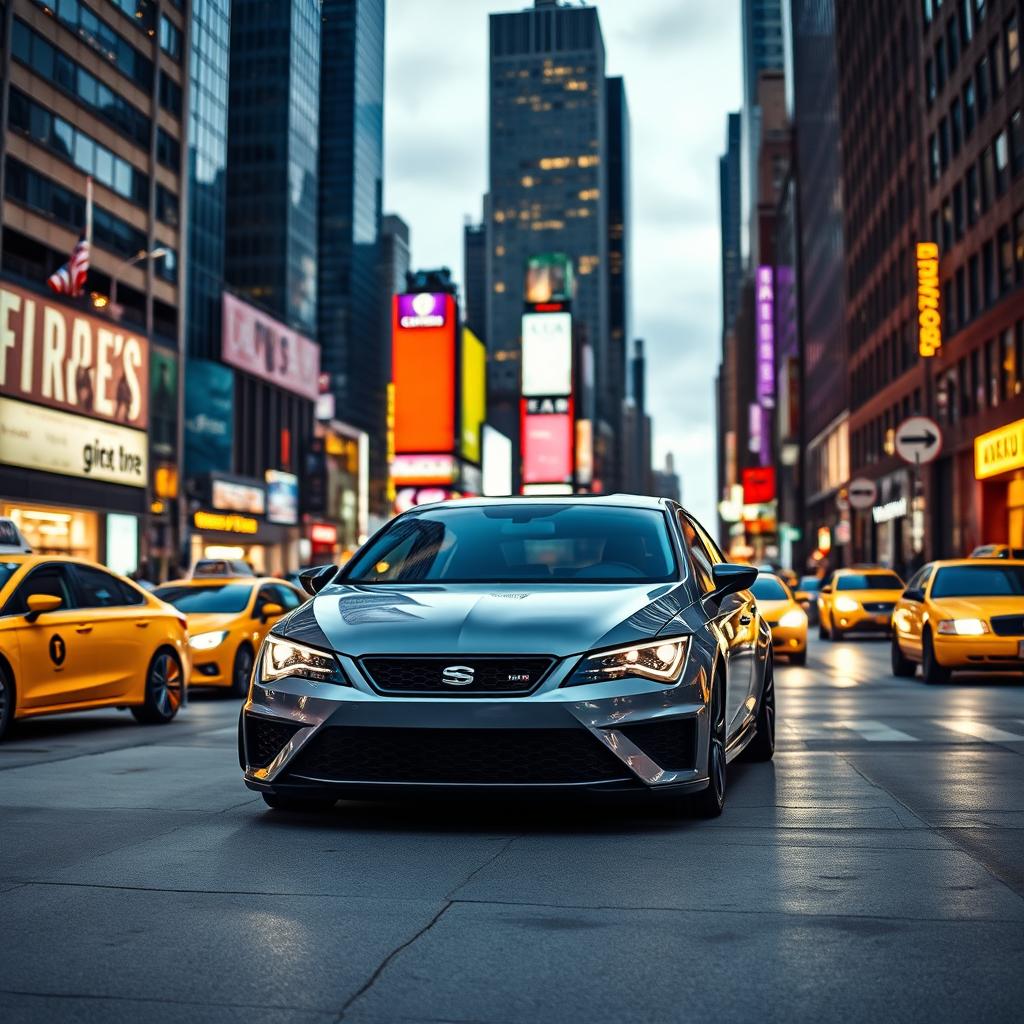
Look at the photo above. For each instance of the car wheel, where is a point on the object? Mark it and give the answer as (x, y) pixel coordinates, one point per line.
(835, 634)
(709, 802)
(165, 689)
(762, 746)
(799, 659)
(822, 631)
(241, 671)
(902, 666)
(311, 805)
(932, 671)
(6, 701)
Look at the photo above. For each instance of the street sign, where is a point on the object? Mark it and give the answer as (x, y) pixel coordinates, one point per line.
(918, 440)
(862, 492)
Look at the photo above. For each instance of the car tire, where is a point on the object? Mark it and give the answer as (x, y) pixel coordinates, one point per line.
(165, 689)
(931, 670)
(241, 671)
(7, 701)
(799, 659)
(902, 666)
(835, 634)
(709, 802)
(762, 746)
(309, 805)
(823, 633)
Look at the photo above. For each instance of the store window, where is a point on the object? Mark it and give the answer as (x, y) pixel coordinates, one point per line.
(1011, 370)
(57, 531)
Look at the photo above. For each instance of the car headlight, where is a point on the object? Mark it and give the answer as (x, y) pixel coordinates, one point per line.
(963, 627)
(659, 660)
(793, 619)
(281, 658)
(207, 641)
(846, 604)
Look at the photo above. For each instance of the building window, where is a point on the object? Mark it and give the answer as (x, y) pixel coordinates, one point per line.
(170, 95)
(168, 150)
(968, 108)
(1002, 158)
(170, 38)
(940, 64)
(1005, 253)
(973, 198)
(166, 206)
(933, 158)
(996, 56)
(1012, 36)
(988, 272)
(944, 143)
(1010, 368)
(974, 282)
(953, 42)
(929, 80)
(992, 371)
(955, 125)
(1018, 245)
(958, 211)
(981, 78)
(966, 21)
(988, 177)
(947, 224)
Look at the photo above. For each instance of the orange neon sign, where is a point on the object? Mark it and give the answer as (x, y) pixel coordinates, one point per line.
(929, 317)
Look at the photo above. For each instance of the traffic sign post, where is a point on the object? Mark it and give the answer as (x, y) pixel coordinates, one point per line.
(918, 441)
(862, 492)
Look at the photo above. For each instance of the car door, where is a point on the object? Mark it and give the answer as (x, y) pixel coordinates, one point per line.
(728, 616)
(116, 646)
(54, 645)
(912, 612)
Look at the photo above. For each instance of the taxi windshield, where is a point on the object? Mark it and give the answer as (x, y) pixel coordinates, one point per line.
(215, 597)
(768, 588)
(979, 581)
(7, 570)
(809, 583)
(870, 581)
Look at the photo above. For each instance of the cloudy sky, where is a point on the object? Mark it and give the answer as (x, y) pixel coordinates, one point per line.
(681, 63)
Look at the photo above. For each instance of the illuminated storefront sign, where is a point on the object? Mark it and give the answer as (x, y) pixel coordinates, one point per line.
(891, 510)
(56, 356)
(233, 496)
(547, 447)
(37, 437)
(547, 353)
(424, 309)
(424, 469)
(929, 297)
(999, 450)
(765, 309)
(225, 522)
(323, 534)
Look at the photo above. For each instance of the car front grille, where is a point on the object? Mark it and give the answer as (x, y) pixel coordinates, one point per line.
(264, 739)
(670, 744)
(1008, 625)
(879, 607)
(426, 675)
(458, 756)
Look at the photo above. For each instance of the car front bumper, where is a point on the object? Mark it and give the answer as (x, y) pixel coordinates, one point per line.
(862, 621)
(303, 737)
(988, 652)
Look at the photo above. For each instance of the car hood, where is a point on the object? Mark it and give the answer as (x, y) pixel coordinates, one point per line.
(975, 607)
(204, 622)
(558, 619)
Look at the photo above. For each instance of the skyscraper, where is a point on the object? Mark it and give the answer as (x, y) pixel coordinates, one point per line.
(474, 276)
(355, 353)
(548, 178)
(729, 214)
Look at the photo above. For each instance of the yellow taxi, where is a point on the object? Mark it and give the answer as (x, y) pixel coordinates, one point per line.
(960, 614)
(997, 551)
(788, 621)
(857, 600)
(75, 636)
(228, 617)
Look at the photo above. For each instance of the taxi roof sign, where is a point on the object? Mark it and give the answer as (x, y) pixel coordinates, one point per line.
(12, 540)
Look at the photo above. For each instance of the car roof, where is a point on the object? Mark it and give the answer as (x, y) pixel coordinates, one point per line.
(866, 570)
(613, 500)
(946, 563)
(208, 581)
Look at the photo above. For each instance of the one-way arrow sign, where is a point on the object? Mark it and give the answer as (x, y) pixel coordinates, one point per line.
(918, 440)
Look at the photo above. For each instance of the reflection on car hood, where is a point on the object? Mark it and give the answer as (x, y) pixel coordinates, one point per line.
(976, 607)
(204, 622)
(558, 619)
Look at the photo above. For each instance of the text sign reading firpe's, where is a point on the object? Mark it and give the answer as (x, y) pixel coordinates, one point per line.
(929, 318)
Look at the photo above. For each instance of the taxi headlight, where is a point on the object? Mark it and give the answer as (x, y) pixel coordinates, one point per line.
(207, 641)
(846, 604)
(660, 660)
(793, 619)
(963, 627)
(280, 658)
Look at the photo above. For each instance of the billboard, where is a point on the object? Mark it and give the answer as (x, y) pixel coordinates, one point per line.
(163, 401)
(547, 354)
(423, 371)
(60, 357)
(497, 463)
(474, 393)
(282, 497)
(547, 445)
(258, 344)
(758, 485)
(548, 278)
(765, 317)
(209, 417)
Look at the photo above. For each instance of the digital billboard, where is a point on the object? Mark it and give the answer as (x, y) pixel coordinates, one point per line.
(497, 463)
(547, 354)
(474, 393)
(423, 372)
(548, 278)
(209, 417)
(282, 497)
(765, 303)
(547, 446)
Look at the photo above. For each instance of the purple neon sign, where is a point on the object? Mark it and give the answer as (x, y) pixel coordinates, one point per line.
(765, 318)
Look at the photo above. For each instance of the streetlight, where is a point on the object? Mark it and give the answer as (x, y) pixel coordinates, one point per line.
(142, 254)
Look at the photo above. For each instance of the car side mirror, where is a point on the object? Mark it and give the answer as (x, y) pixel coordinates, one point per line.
(913, 594)
(826, 590)
(39, 603)
(314, 580)
(271, 610)
(730, 578)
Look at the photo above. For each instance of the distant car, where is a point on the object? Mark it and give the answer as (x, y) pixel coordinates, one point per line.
(857, 600)
(223, 567)
(12, 540)
(788, 621)
(964, 614)
(786, 575)
(997, 551)
(74, 636)
(806, 594)
(227, 621)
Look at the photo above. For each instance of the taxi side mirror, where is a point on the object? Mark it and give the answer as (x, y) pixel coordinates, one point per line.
(913, 594)
(271, 610)
(39, 603)
(826, 590)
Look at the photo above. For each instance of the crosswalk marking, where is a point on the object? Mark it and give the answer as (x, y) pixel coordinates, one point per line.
(981, 730)
(869, 729)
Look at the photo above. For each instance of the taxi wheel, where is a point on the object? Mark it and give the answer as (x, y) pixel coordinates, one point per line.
(835, 634)
(165, 689)
(6, 701)
(932, 671)
(902, 666)
(800, 658)
(823, 633)
(241, 671)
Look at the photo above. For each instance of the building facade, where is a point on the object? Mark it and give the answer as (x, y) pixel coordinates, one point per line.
(474, 277)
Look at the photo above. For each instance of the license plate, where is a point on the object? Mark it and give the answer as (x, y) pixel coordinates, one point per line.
(883, 619)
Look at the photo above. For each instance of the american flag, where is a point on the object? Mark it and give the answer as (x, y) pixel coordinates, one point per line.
(70, 278)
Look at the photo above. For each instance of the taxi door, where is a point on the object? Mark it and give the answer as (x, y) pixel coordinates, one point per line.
(270, 594)
(54, 647)
(912, 613)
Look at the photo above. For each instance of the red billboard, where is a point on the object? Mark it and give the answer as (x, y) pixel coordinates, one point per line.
(423, 370)
(547, 441)
(759, 485)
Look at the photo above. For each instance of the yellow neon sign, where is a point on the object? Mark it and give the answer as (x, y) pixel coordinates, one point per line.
(929, 317)
(226, 522)
(999, 450)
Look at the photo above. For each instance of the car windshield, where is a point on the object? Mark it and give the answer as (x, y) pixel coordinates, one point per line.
(768, 588)
(869, 581)
(7, 570)
(809, 583)
(979, 581)
(522, 542)
(216, 597)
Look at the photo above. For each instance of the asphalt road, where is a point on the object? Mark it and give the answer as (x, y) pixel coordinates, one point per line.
(874, 871)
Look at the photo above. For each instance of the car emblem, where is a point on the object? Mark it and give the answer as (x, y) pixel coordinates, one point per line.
(458, 675)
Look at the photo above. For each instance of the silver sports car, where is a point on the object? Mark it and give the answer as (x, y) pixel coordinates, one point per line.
(596, 643)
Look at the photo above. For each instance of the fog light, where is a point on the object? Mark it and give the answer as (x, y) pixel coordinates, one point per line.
(842, 622)
(209, 669)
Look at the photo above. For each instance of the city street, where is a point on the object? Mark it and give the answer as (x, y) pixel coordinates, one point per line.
(874, 871)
